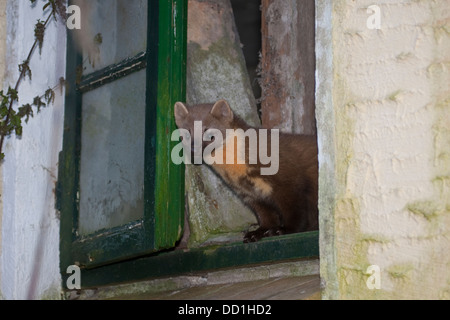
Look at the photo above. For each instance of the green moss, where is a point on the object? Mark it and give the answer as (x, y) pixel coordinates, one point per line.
(352, 251)
(213, 72)
(394, 95)
(351, 254)
(375, 238)
(442, 181)
(214, 212)
(427, 209)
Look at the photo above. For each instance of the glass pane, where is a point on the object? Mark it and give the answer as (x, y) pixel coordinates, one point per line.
(112, 30)
(112, 154)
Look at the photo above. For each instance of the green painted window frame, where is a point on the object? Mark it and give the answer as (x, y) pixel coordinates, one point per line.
(144, 249)
(163, 218)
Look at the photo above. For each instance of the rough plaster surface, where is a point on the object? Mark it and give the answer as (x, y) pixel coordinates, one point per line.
(391, 103)
(215, 70)
(29, 261)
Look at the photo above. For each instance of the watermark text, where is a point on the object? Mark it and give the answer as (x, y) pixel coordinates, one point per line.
(211, 147)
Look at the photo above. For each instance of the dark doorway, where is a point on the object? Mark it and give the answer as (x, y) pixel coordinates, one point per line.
(247, 15)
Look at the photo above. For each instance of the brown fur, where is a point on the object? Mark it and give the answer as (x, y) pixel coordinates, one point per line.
(283, 203)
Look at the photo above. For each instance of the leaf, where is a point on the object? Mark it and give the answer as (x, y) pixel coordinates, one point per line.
(4, 105)
(54, 9)
(15, 124)
(38, 103)
(39, 31)
(25, 111)
(49, 96)
(24, 69)
(2, 129)
(10, 120)
(19, 130)
(3, 110)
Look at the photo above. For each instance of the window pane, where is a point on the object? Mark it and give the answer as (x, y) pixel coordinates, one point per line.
(112, 154)
(112, 31)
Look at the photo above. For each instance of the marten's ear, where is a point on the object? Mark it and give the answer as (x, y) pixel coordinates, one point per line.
(181, 113)
(222, 111)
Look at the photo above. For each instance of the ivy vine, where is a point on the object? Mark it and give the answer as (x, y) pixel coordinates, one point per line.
(11, 115)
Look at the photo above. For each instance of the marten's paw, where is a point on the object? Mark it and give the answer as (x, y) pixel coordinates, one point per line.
(254, 236)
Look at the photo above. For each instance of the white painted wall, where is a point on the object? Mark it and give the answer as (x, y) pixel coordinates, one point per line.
(2, 68)
(29, 261)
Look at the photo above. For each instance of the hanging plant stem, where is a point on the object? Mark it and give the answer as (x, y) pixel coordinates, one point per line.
(24, 70)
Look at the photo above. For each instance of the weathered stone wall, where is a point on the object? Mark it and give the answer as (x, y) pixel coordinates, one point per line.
(215, 70)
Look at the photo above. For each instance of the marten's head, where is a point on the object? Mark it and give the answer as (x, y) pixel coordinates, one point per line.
(204, 123)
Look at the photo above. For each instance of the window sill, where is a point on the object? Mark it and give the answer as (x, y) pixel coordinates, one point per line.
(293, 280)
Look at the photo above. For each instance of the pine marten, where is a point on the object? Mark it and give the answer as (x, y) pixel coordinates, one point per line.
(282, 193)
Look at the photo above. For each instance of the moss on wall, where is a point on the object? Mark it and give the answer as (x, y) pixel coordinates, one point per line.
(391, 145)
